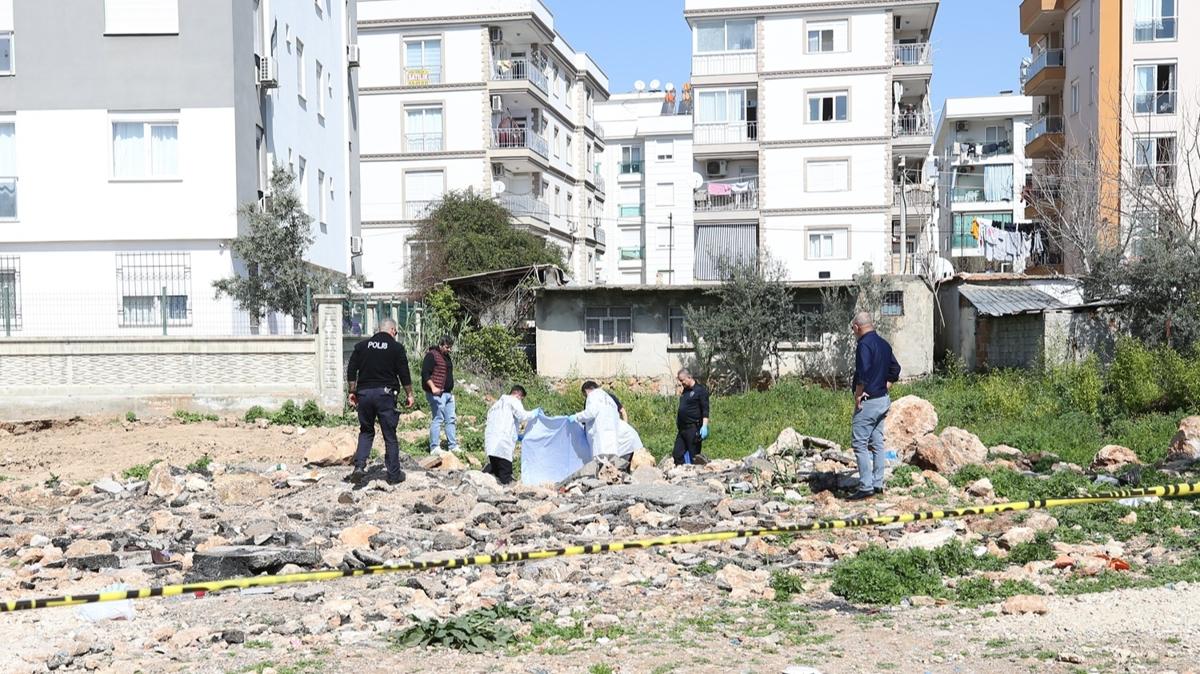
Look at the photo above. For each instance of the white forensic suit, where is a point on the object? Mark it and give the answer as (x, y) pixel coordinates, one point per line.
(628, 440)
(601, 419)
(504, 418)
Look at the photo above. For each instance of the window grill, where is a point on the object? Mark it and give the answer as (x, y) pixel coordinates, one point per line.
(151, 284)
(10, 294)
(893, 303)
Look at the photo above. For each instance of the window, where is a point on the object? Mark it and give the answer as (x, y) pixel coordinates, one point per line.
(1154, 20)
(423, 127)
(1075, 97)
(666, 194)
(730, 35)
(322, 207)
(608, 326)
(570, 95)
(570, 149)
(320, 8)
(1154, 160)
(6, 52)
(557, 143)
(320, 80)
(422, 190)
(302, 183)
(422, 62)
(808, 315)
(1092, 86)
(961, 238)
(416, 253)
(8, 171)
(827, 175)
(631, 159)
(732, 105)
(995, 134)
(141, 17)
(677, 326)
(1075, 28)
(1092, 17)
(827, 107)
(827, 244)
(665, 150)
(1154, 89)
(1144, 226)
(591, 102)
(555, 79)
(301, 76)
(893, 303)
(154, 287)
(144, 150)
(10, 293)
(828, 36)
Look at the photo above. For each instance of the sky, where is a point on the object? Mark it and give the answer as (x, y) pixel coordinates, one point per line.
(977, 44)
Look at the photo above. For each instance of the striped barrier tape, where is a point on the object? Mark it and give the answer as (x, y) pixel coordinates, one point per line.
(1167, 491)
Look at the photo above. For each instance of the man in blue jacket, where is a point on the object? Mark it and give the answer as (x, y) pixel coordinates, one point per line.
(875, 370)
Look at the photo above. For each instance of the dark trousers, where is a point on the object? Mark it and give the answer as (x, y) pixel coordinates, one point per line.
(378, 403)
(687, 444)
(501, 469)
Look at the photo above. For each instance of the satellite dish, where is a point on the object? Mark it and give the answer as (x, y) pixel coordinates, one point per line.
(670, 86)
(697, 181)
(654, 85)
(498, 187)
(639, 86)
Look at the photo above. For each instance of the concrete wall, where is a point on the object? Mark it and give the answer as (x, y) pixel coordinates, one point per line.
(1009, 341)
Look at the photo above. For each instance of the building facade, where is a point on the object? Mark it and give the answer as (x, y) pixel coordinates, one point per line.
(648, 215)
(132, 131)
(826, 109)
(484, 95)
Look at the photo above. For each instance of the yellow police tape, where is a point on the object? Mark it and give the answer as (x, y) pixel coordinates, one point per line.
(1168, 491)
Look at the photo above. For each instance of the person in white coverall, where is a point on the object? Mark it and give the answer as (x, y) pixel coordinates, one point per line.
(602, 421)
(502, 431)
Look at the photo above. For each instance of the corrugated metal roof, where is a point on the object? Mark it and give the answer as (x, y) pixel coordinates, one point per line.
(1008, 300)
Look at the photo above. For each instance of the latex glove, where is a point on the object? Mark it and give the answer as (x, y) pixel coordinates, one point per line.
(704, 432)
(521, 437)
(571, 418)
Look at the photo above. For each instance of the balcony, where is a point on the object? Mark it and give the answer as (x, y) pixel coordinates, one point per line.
(515, 138)
(736, 63)
(1042, 16)
(423, 142)
(1045, 76)
(8, 198)
(978, 195)
(912, 54)
(1154, 103)
(912, 125)
(419, 210)
(1044, 138)
(526, 206)
(632, 253)
(598, 181)
(422, 76)
(723, 196)
(726, 133)
(915, 198)
(517, 70)
(630, 210)
(629, 168)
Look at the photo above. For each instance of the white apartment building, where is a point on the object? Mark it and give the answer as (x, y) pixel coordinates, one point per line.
(131, 131)
(648, 215)
(980, 152)
(825, 107)
(482, 95)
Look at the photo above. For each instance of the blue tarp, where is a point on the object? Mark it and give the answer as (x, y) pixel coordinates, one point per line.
(552, 450)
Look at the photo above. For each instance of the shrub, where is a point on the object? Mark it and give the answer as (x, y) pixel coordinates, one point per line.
(255, 413)
(495, 352)
(200, 465)
(130, 417)
(194, 417)
(976, 591)
(786, 584)
(1181, 379)
(140, 471)
(880, 576)
(1040, 548)
(476, 632)
(1134, 379)
(1080, 386)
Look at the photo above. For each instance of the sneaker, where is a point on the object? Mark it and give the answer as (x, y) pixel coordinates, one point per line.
(700, 460)
(860, 496)
(879, 491)
(396, 480)
(357, 476)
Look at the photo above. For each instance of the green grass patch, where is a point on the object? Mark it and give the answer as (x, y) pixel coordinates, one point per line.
(703, 569)
(903, 476)
(880, 576)
(200, 465)
(141, 471)
(1010, 484)
(194, 417)
(786, 584)
(600, 669)
(978, 591)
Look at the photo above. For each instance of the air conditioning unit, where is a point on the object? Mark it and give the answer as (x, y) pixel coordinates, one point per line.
(268, 76)
(495, 35)
(716, 167)
(352, 55)
(356, 245)
(266, 201)
(962, 126)
(497, 104)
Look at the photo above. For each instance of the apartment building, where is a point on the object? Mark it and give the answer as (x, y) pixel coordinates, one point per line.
(482, 95)
(648, 215)
(1109, 79)
(826, 108)
(131, 131)
(980, 152)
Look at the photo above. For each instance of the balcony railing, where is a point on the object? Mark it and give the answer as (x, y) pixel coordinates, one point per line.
(597, 230)
(918, 54)
(598, 181)
(420, 76)
(419, 210)
(1155, 103)
(1152, 29)
(630, 211)
(915, 198)
(1162, 174)
(735, 194)
(423, 142)
(526, 206)
(1047, 59)
(1042, 127)
(976, 195)
(631, 167)
(912, 124)
(8, 198)
(726, 132)
(515, 138)
(725, 64)
(520, 69)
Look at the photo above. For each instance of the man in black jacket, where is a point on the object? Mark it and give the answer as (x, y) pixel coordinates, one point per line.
(377, 369)
(437, 378)
(692, 420)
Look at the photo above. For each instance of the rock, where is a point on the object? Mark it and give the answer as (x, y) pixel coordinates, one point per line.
(358, 536)
(308, 594)
(188, 636)
(1185, 446)
(162, 484)
(791, 442)
(1024, 603)
(642, 458)
(744, 585)
(602, 620)
(936, 479)
(107, 486)
(647, 475)
(233, 637)
(1041, 522)
(926, 540)
(195, 483)
(950, 451)
(450, 541)
(481, 480)
(1111, 457)
(162, 521)
(666, 495)
(1016, 536)
(981, 488)
(640, 514)
(242, 488)
(441, 460)
(1006, 452)
(83, 548)
(326, 452)
(244, 560)
(908, 419)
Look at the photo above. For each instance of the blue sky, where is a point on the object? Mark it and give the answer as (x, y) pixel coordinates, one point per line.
(977, 45)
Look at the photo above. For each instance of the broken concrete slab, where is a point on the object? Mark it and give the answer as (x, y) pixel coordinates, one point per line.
(665, 495)
(229, 561)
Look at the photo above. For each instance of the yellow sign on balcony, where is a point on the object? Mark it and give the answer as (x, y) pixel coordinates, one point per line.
(417, 77)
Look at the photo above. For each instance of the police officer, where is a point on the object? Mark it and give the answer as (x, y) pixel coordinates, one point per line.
(377, 368)
(691, 421)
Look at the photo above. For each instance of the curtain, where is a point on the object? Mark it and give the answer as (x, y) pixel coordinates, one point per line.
(712, 107)
(741, 35)
(129, 153)
(897, 92)
(998, 182)
(737, 105)
(164, 150)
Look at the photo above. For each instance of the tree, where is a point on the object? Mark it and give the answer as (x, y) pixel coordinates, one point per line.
(839, 304)
(747, 318)
(470, 234)
(277, 278)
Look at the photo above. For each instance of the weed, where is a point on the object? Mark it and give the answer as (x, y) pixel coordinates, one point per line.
(880, 576)
(1040, 548)
(887, 666)
(977, 591)
(998, 643)
(903, 476)
(139, 472)
(131, 417)
(1045, 655)
(1013, 485)
(52, 481)
(786, 584)
(600, 669)
(200, 465)
(255, 413)
(476, 632)
(194, 417)
(665, 668)
(257, 644)
(703, 569)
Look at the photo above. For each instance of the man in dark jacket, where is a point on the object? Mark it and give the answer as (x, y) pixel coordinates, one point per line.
(875, 370)
(692, 420)
(437, 379)
(377, 369)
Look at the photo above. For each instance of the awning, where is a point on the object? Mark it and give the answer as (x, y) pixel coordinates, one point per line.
(1008, 300)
